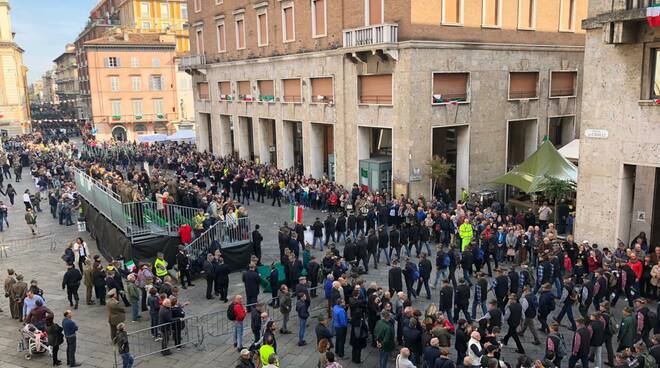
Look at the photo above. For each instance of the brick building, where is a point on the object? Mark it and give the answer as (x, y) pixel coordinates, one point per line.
(367, 91)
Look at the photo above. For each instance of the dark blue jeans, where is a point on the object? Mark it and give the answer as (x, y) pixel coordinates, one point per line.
(127, 360)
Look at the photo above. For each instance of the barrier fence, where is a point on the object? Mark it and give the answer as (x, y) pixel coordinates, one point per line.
(227, 234)
(194, 330)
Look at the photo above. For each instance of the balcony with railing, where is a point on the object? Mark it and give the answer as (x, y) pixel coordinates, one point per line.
(193, 61)
(620, 19)
(371, 35)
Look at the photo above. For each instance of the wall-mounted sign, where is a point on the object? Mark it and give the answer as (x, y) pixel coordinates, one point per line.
(641, 216)
(416, 174)
(597, 133)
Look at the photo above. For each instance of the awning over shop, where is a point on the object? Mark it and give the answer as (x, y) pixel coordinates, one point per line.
(151, 138)
(182, 135)
(572, 150)
(529, 176)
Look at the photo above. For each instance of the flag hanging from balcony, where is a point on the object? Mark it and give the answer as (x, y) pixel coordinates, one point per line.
(296, 214)
(653, 15)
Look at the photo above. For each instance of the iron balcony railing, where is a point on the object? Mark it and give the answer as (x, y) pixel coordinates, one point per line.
(371, 35)
(191, 61)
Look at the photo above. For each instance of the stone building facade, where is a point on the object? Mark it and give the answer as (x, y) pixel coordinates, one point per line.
(618, 186)
(369, 92)
(14, 100)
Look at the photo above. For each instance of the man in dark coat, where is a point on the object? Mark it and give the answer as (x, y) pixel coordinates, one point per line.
(362, 253)
(257, 238)
(546, 306)
(209, 274)
(462, 300)
(425, 267)
(251, 280)
(513, 316)
(394, 277)
(71, 281)
(317, 233)
(222, 272)
(330, 225)
(165, 320)
(372, 247)
(183, 264)
(581, 345)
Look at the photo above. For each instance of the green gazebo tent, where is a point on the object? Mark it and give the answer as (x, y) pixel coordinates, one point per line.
(529, 176)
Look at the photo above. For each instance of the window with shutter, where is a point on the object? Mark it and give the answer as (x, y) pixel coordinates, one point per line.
(262, 29)
(288, 21)
(220, 33)
(291, 90)
(375, 89)
(452, 12)
(116, 109)
(526, 14)
(244, 91)
(266, 90)
(224, 90)
(490, 13)
(135, 83)
(156, 83)
(203, 91)
(450, 87)
(240, 34)
(567, 15)
(562, 84)
(319, 18)
(322, 90)
(523, 85)
(375, 11)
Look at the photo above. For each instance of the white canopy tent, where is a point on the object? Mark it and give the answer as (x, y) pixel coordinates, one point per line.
(151, 138)
(182, 135)
(571, 151)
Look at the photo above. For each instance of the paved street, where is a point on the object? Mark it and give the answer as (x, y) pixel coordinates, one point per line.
(33, 258)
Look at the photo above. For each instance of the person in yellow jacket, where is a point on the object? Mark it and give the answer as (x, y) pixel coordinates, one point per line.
(465, 232)
(160, 264)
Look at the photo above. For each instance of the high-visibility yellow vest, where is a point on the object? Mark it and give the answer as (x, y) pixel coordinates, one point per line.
(465, 231)
(161, 267)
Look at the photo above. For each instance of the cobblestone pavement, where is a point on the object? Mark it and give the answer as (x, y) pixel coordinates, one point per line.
(34, 258)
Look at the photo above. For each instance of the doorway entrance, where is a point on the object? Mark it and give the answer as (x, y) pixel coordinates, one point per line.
(246, 138)
(639, 208)
(293, 145)
(375, 158)
(267, 141)
(561, 130)
(322, 150)
(452, 143)
(119, 133)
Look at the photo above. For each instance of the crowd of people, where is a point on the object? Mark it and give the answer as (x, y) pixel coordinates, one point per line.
(490, 271)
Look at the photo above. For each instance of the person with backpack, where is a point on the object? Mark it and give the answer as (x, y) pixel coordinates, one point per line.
(646, 320)
(555, 344)
(627, 330)
(611, 329)
(546, 306)
(236, 312)
(442, 262)
(581, 345)
(529, 309)
(513, 316)
(641, 357)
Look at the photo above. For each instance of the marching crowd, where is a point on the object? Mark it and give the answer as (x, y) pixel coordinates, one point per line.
(491, 272)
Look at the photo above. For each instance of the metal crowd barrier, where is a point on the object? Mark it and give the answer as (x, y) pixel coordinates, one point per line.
(224, 233)
(196, 329)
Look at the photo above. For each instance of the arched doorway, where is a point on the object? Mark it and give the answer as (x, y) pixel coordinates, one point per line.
(119, 133)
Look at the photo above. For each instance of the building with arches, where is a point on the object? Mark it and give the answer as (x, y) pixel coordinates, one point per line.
(132, 78)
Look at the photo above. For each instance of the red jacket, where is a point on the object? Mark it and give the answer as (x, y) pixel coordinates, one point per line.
(568, 265)
(239, 312)
(593, 264)
(185, 232)
(636, 268)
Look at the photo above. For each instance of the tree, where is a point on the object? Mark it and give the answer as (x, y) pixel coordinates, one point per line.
(438, 170)
(555, 189)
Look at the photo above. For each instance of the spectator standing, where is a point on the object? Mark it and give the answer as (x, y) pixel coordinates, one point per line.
(70, 329)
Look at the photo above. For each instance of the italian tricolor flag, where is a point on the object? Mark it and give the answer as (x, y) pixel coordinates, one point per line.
(653, 15)
(296, 214)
